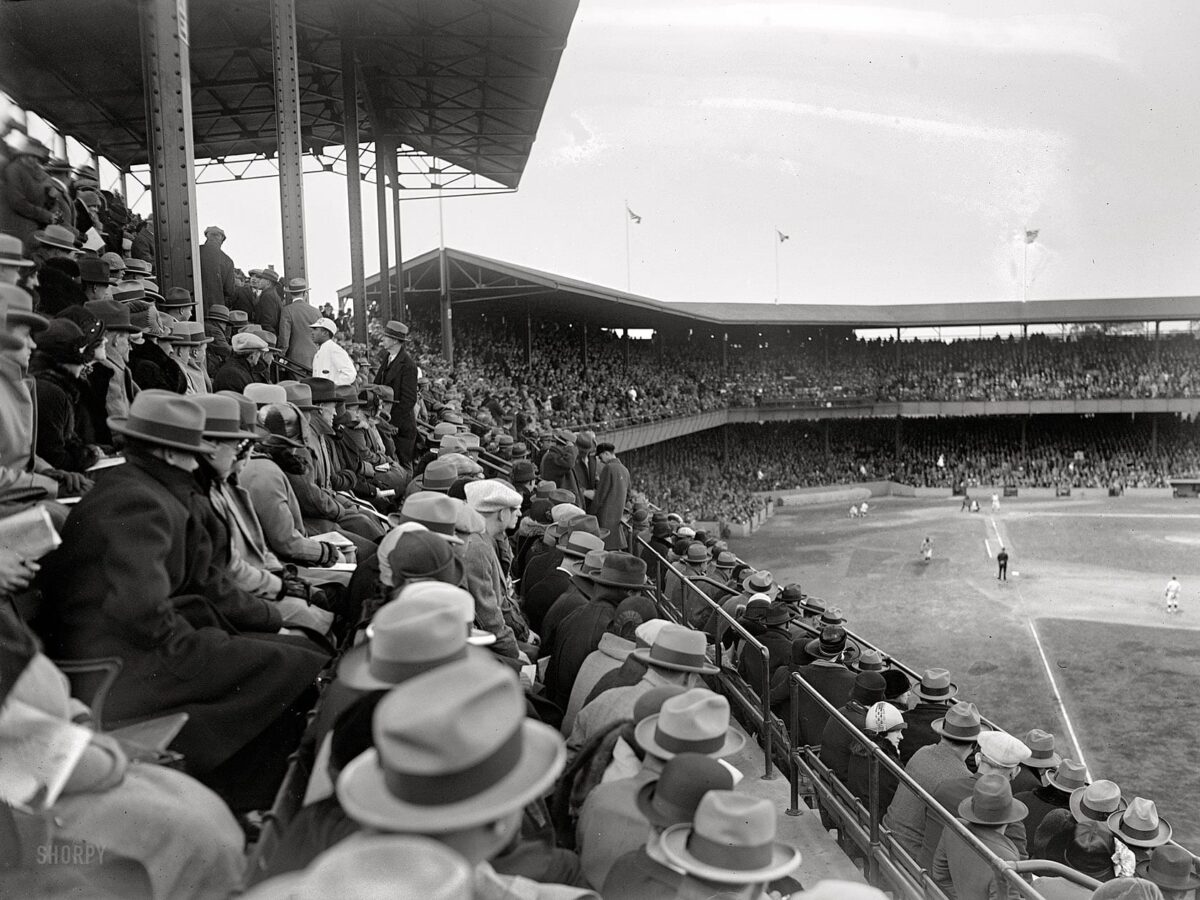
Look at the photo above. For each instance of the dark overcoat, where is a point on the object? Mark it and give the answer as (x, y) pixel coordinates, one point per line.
(137, 577)
(608, 503)
(401, 376)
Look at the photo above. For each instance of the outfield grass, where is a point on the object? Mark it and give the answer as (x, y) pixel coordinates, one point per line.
(1081, 567)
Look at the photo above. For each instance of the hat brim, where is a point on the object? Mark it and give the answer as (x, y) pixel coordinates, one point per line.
(934, 698)
(32, 320)
(480, 638)
(1161, 836)
(1052, 763)
(40, 237)
(171, 304)
(849, 654)
(644, 734)
(1188, 882)
(354, 669)
(642, 654)
(771, 591)
(936, 725)
(16, 261)
(673, 842)
(1075, 804)
(1053, 782)
(119, 425)
(232, 435)
(1017, 811)
(363, 792)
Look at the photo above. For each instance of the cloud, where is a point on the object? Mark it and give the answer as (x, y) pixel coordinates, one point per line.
(1054, 35)
(936, 128)
(582, 143)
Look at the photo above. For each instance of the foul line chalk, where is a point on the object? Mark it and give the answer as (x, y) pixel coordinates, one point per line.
(1059, 700)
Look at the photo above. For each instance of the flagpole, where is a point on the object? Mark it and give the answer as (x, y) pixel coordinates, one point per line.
(777, 243)
(1025, 272)
(628, 277)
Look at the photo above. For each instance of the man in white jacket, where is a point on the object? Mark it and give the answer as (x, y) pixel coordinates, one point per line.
(331, 361)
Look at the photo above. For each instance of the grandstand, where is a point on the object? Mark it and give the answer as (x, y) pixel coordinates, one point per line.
(307, 603)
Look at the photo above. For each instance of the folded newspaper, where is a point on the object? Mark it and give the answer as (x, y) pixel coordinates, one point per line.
(29, 533)
(37, 755)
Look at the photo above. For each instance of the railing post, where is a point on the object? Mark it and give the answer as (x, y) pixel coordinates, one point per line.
(765, 696)
(873, 808)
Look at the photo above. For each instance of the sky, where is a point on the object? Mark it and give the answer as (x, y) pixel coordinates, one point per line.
(903, 147)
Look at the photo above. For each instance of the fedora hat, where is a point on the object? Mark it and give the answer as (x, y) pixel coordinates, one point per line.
(577, 544)
(679, 649)
(814, 606)
(113, 314)
(1171, 867)
(406, 638)
(696, 554)
(441, 429)
(128, 291)
(239, 317)
(779, 614)
(523, 470)
(830, 645)
(460, 598)
(12, 251)
(188, 334)
(696, 721)
(223, 418)
(760, 582)
(1069, 777)
(434, 510)
(991, 803)
(176, 298)
(16, 304)
(1139, 824)
(578, 522)
(164, 419)
(936, 685)
(269, 274)
(93, 270)
(218, 312)
(299, 395)
(345, 394)
(136, 266)
(397, 331)
(961, 723)
(323, 390)
(439, 475)
(425, 556)
(584, 569)
(622, 570)
(871, 661)
(791, 593)
(453, 750)
(730, 840)
(61, 237)
(1041, 747)
(297, 286)
(247, 413)
(1096, 802)
(672, 798)
(375, 867)
(832, 616)
(725, 561)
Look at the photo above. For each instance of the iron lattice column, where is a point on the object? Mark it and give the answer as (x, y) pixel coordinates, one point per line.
(358, 278)
(287, 116)
(166, 71)
(401, 314)
(387, 309)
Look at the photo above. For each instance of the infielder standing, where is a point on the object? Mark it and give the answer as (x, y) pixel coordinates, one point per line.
(1171, 594)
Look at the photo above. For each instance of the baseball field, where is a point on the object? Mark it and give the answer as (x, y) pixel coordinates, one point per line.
(1076, 642)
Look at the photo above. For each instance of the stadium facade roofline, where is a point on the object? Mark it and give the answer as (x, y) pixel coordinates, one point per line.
(508, 288)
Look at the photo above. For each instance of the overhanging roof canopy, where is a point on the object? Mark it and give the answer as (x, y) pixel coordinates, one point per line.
(464, 81)
(508, 289)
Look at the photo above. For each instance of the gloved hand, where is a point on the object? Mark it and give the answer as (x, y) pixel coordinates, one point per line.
(329, 555)
(70, 482)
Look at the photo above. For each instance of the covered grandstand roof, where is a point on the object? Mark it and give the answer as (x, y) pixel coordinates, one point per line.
(508, 288)
(461, 80)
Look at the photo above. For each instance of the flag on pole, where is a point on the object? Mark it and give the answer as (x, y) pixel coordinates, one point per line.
(1031, 236)
(637, 220)
(782, 237)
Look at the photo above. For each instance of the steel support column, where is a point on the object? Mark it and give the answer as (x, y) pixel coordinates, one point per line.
(447, 314)
(401, 314)
(287, 117)
(583, 350)
(358, 278)
(528, 335)
(166, 70)
(386, 306)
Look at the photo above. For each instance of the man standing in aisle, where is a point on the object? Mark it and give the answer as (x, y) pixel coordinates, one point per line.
(330, 360)
(216, 269)
(399, 372)
(296, 320)
(1171, 594)
(1002, 562)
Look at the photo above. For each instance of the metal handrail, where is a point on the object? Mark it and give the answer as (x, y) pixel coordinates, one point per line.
(878, 858)
(765, 733)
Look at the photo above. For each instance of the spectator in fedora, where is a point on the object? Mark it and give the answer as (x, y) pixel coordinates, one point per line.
(999, 754)
(268, 307)
(677, 656)
(57, 367)
(621, 575)
(216, 326)
(413, 782)
(1042, 758)
(237, 371)
(398, 371)
(1053, 793)
(149, 365)
(330, 360)
(728, 848)
(216, 269)
(496, 507)
(138, 577)
(558, 465)
(12, 259)
(827, 676)
(610, 822)
(1174, 871)
(582, 589)
(110, 377)
(187, 342)
(548, 586)
(670, 799)
(837, 743)
(934, 695)
(25, 202)
(1086, 847)
(931, 767)
(296, 320)
(770, 630)
(987, 813)
(94, 277)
